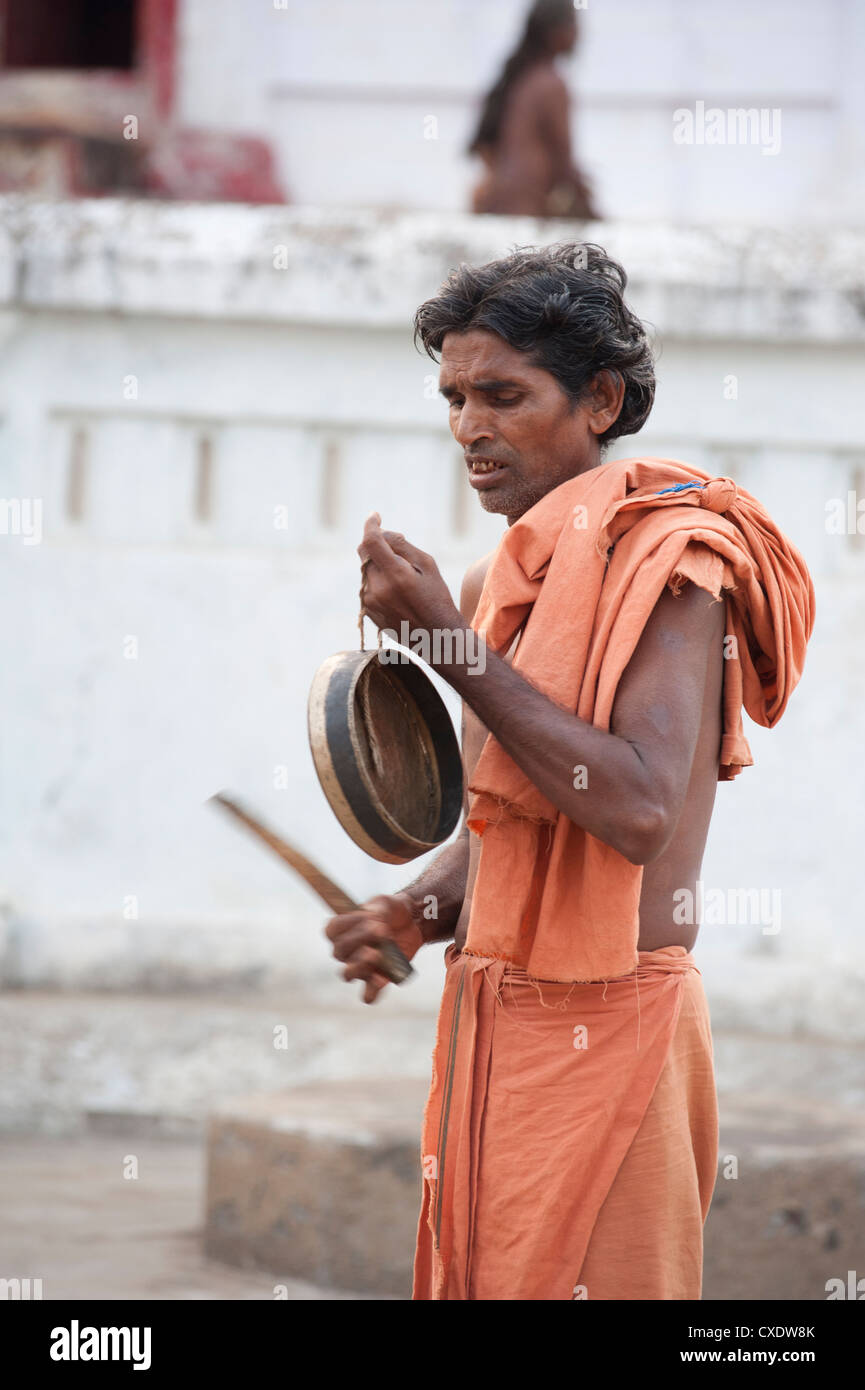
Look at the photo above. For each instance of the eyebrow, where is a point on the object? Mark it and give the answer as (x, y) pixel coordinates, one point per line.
(491, 386)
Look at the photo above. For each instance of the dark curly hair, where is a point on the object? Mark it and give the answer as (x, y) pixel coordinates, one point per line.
(563, 305)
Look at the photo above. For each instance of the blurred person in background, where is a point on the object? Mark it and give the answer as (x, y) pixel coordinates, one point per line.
(523, 135)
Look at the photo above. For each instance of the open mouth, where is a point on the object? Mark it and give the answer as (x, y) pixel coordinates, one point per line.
(485, 472)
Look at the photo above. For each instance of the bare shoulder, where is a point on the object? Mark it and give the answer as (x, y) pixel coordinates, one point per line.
(681, 640)
(544, 79)
(544, 86)
(693, 612)
(671, 689)
(473, 583)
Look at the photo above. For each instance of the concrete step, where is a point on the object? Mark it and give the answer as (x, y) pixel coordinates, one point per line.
(324, 1178)
(323, 1183)
(788, 1213)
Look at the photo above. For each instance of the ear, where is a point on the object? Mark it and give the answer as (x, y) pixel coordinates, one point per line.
(605, 399)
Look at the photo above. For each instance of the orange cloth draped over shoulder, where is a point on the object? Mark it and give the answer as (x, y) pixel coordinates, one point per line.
(580, 572)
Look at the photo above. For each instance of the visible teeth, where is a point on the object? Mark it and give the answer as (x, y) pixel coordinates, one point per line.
(483, 466)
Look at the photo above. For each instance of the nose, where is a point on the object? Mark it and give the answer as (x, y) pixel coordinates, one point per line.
(471, 424)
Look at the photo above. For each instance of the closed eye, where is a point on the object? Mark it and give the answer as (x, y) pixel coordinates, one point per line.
(495, 400)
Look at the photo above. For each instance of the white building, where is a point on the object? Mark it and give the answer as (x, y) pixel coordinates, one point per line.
(206, 434)
(207, 400)
(371, 104)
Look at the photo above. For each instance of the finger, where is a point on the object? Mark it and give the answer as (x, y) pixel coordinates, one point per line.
(353, 940)
(371, 528)
(386, 557)
(372, 990)
(364, 965)
(345, 922)
(387, 547)
(418, 559)
(375, 548)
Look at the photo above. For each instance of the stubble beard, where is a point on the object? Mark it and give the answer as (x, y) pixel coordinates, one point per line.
(519, 494)
(513, 498)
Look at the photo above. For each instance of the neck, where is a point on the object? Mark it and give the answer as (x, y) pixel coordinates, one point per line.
(594, 461)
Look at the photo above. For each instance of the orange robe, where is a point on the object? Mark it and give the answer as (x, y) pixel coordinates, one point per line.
(583, 570)
(569, 1145)
(570, 1136)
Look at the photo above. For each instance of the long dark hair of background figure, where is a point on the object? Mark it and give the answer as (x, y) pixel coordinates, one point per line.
(549, 30)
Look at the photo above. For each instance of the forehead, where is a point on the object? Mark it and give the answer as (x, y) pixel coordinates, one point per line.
(477, 353)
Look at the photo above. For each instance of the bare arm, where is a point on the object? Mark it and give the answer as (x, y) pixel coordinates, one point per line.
(435, 899)
(637, 772)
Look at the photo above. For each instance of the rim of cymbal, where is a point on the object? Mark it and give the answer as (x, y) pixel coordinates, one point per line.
(343, 770)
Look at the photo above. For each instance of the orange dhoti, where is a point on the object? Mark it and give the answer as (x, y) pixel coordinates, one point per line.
(570, 1137)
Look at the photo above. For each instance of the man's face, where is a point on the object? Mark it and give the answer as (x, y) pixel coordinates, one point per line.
(505, 411)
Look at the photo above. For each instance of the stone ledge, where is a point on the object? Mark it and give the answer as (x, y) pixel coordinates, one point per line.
(150, 1063)
(324, 1178)
(372, 268)
(794, 1217)
(323, 1183)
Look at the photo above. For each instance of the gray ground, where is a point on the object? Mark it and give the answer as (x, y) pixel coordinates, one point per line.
(70, 1218)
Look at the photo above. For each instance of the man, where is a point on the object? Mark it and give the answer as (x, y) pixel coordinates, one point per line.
(523, 134)
(570, 1137)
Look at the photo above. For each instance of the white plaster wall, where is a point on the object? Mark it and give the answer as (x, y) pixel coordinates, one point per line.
(343, 89)
(107, 761)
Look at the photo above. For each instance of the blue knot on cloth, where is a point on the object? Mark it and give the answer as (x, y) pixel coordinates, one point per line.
(680, 487)
(718, 493)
